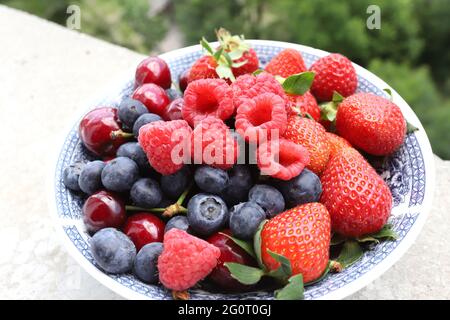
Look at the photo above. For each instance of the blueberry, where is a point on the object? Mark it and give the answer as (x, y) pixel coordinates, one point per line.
(146, 262)
(304, 188)
(120, 174)
(173, 94)
(71, 175)
(146, 193)
(173, 185)
(178, 222)
(207, 213)
(164, 203)
(245, 219)
(113, 251)
(90, 179)
(211, 179)
(268, 198)
(129, 110)
(144, 119)
(238, 185)
(134, 151)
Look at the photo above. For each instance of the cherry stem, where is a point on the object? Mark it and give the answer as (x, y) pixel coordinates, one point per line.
(335, 266)
(184, 194)
(134, 208)
(121, 134)
(180, 295)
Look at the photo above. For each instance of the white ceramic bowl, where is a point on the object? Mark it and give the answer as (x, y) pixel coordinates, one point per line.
(409, 174)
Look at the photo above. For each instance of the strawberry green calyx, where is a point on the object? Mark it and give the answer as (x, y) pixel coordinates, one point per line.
(328, 110)
(297, 84)
(233, 44)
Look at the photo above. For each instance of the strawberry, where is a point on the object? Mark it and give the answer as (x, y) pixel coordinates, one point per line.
(311, 135)
(304, 104)
(357, 198)
(203, 68)
(371, 123)
(286, 63)
(302, 235)
(333, 73)
(336, 143)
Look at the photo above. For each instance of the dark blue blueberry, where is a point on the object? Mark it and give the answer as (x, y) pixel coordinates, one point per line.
(134, 151)
(207, 213)
(144, 119)
(238, 185)
(173, 94)
(146, 263)
(164, 203)
(173, 185)
(245, 219)
(120, 174)
(113, 251)
(212, 180)
(304, 188)
(146, 193)
(178, 222)
(268, 198)
(129, 110)
(90, 179)
(71, 175)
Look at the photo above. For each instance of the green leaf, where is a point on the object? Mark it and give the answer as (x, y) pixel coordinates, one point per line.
(389, 92)
(367, 239)
(206, 46)
(258, 71)
(307, 115)
(324, 274)
(244, 274)
(293, 290)
(336, 239)
(246, 246)
(337, 97)
(284, 271)
(350, 253)
(410, 128)
(298, 83)
(257, 244)
(217, 54)
(224, 72)
(228, 59)
(236, 54)
(386, 233)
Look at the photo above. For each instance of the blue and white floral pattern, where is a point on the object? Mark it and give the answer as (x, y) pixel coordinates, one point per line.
(404, 172)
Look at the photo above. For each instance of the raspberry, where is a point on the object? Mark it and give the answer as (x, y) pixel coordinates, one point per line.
(249, 86)
(185, 260)
(282, 159)
(257, 117)
(207, 97)
(213, 144)
(159, 139)
(303, 104)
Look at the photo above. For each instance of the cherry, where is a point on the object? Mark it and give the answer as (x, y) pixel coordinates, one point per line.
(153, 97)
(153, 70)
(173, 110)
(183, 80)
(143, 228)
(229, 252)
(101, 133)
(103, 209)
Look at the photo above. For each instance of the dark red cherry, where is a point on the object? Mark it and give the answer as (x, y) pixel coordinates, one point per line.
(143, 228)
(153, 97)
(229, 252)
(173, 110)
(100, 131)
(103, 209)
(153, 70)
(183, 80)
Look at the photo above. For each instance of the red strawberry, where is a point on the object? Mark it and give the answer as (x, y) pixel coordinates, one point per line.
(203, 68)
(336, 143)
(303, 104)
(333, 73)
(250, 63)
(358, 200)
(371, 123)
(286, 63)
(302, 235)
(311, 135)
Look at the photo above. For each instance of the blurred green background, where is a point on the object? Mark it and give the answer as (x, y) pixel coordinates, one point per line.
(411, 51)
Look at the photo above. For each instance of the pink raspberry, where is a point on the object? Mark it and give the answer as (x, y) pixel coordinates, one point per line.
(160, 139)
(249, 86)
(185, 260)
(213, 144)
(282, 159)
(207, 97)
(257, 117)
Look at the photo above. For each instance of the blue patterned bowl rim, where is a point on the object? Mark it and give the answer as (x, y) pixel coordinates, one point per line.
(409, 173)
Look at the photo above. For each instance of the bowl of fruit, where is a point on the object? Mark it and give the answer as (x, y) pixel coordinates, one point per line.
(243, 169)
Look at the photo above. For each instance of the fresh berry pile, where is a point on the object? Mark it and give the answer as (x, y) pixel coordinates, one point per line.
(234, 178)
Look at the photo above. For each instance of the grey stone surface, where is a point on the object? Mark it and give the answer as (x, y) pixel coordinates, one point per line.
(47, 74)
